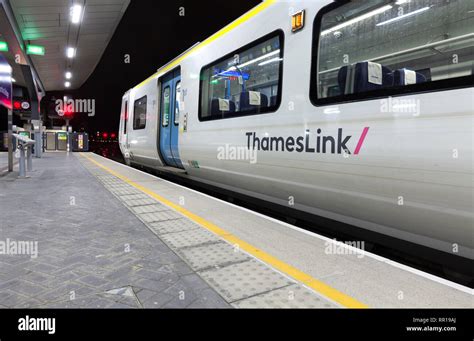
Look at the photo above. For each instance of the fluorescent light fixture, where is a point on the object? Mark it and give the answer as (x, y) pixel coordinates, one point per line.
(67, 84)
(277, 59)
(404, 16)
(357, 19)
(76, 14)
(71, 52)
(401, 2)
(250, 62)
(68, 75)
(6, 69)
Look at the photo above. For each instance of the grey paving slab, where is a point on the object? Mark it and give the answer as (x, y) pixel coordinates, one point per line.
(149, 208)
(159, 216)
(213, 256)
(242, 280)
(173, 225)
(189, 238)
(290, 297)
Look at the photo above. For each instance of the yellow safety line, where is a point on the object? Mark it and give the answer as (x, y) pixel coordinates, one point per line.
(250, 14)
(281, 266)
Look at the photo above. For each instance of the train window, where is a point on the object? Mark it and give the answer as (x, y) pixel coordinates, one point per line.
(375, 48)
(245, 82)
(139, 114)
(125, 117)
(178, 103)
(165, 117)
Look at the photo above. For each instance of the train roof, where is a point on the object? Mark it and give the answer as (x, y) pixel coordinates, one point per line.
(176, 61)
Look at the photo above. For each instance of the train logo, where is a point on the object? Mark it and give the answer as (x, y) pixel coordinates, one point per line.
(323, 145)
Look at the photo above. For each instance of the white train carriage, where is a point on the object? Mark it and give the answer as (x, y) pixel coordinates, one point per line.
(360, 112)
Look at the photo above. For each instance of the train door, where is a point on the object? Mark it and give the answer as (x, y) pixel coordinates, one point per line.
(169, 118)
(124, 127)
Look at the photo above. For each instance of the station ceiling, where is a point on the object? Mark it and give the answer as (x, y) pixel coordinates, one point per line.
(47, 23)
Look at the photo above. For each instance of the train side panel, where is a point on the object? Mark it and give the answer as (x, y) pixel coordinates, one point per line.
(404, 182)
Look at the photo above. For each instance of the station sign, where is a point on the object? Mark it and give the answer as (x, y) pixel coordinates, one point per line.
(35, 50)
(3, 46)
(5, 83)
(62, 136)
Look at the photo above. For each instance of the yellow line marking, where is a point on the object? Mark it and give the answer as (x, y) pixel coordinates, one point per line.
(250, 14)
(281, 266)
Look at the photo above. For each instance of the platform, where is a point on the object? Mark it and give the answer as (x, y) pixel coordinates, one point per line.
(112, 236)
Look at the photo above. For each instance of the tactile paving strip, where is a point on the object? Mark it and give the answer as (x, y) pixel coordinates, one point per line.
(159, 216)
(127, 191)
(149, 208)
(238, 281)
(174, 225)
(139, 202)
(213, 256)
(136, 197)
(189, 238)
(293, 296)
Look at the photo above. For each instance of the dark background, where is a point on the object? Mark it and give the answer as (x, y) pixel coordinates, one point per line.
(153, 33)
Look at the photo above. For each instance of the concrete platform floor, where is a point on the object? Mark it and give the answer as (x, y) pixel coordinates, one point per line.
(91, 252)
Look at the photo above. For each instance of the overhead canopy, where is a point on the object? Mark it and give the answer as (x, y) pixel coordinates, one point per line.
(48, 23)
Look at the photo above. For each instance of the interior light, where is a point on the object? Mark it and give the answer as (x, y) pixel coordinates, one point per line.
(67, 84)
(68, 75)
(404, 16)
(259, 59)
(277, 59)
(357, 19)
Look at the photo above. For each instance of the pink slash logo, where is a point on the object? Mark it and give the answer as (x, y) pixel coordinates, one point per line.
(361, 140)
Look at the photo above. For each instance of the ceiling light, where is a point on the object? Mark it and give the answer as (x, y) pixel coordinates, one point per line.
(357, 19)
(404, 16)
(5, 68)
(76, 14)
(71, 52)
(277, 59)
(68, 75)
(13, 80)
(250, 62)
(67, 84)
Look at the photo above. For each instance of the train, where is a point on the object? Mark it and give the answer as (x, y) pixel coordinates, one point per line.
(356, 112)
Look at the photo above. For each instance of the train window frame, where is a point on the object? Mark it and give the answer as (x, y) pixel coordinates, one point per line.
(177, 103)
(135, 127)
(267, 110)
(405, 90)
(163, 107)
